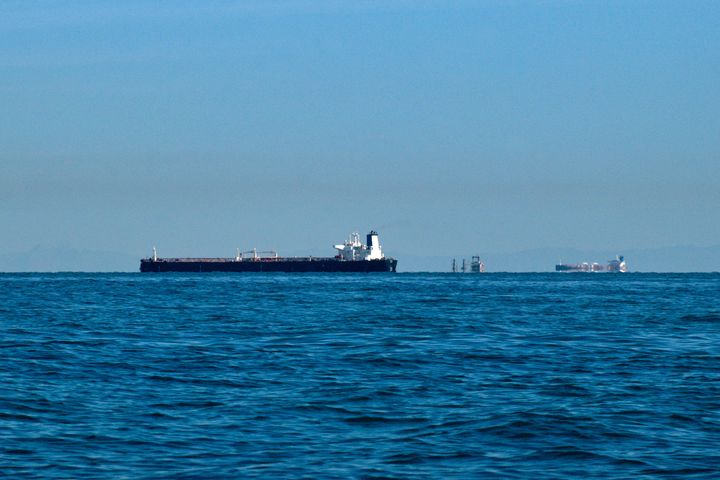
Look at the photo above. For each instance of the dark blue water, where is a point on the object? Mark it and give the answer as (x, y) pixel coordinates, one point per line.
(360, 376)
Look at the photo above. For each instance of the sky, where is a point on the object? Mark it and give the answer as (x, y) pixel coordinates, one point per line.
(467, 126)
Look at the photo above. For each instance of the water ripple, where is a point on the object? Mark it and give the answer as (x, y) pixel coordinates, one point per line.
(361, 376)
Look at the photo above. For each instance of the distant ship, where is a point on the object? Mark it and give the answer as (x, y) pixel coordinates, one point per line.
(476, 265)
(618, 265)
(352, 256)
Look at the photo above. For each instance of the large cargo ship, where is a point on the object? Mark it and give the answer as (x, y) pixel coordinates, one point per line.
(352, 256)
(618, 266)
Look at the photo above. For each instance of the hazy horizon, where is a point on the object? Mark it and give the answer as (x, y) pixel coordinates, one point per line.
(672, 259)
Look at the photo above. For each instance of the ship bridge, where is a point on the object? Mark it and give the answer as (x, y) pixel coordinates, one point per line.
(354, 250)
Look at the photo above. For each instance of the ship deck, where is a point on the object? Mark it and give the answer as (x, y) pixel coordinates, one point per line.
(242, 260)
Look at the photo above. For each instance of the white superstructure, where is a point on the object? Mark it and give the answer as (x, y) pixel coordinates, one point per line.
(617, 265)
(353, 249)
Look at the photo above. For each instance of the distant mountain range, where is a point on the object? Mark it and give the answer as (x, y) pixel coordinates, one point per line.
(64, 259)
(667, 259)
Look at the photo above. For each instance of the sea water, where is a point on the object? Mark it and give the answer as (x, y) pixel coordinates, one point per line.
(360, 376)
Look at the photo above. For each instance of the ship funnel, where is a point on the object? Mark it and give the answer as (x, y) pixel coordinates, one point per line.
(374, 252)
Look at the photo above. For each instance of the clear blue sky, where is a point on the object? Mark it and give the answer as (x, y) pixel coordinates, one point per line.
(447, 126)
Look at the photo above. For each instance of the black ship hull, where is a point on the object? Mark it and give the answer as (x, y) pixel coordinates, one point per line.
(287, 265)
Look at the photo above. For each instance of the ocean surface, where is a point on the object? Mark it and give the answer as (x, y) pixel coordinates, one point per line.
(523, 376)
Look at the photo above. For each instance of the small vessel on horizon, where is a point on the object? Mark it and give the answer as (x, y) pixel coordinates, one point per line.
(476, 265)
(617, 266)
